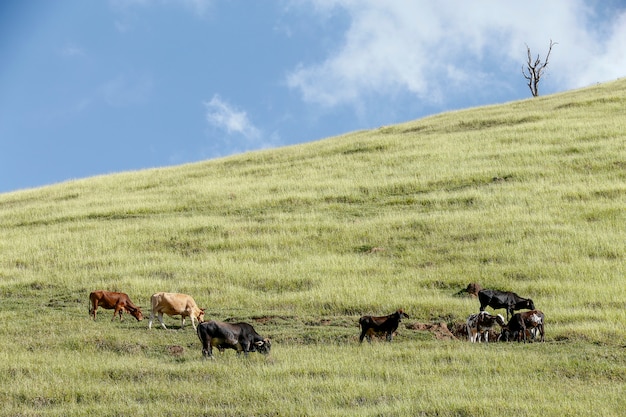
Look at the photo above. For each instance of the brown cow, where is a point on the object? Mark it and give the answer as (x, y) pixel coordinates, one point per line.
(174, 304)
(118, 301)
(380, 325)
(523, 324)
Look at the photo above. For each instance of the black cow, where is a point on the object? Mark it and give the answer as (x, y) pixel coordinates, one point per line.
(501, 299)
(238, 336)
(380, 325)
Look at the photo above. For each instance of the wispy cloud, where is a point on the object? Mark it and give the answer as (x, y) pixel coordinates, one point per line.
(125, 90)
(429, 49)
(198, 7)
(72, 50)
(224, 116)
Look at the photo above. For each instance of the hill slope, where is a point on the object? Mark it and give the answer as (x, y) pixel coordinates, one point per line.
(527, 196)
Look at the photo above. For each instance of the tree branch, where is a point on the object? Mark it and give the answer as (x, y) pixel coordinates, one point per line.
(536, 69)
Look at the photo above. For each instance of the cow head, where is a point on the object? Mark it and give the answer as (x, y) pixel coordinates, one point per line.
(472, 289)
(136, 313)
(500, 320)
(401, 313)
(263, 346)
(530, 305)
(200, 315)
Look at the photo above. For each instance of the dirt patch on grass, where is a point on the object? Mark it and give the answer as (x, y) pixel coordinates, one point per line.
(175, 350)
(439, 330)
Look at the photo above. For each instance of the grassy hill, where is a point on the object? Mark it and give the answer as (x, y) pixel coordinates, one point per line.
(528, 196)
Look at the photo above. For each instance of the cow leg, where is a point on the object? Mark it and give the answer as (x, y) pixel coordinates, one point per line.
(151, 318)
(92, 312)
(117, 311)
(471, 336)
(363, 331)
(523, 332)
(389, 336)
(182, 326)
(207, 349)
(193, 324)
(160, 317)
(245, 348)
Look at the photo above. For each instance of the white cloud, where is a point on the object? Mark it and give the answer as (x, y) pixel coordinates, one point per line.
(608, 61)
(224, 116)
(429, 48)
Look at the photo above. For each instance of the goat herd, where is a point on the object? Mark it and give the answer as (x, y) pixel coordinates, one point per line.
(243, 338)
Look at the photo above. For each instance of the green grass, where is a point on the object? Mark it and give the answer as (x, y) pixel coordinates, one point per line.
(528, 196)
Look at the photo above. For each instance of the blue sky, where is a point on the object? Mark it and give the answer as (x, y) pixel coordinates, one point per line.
(91, 87)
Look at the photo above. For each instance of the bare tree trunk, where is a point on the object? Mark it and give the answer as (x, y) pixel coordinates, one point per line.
(535, 69)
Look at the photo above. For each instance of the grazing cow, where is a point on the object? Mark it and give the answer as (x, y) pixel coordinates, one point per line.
(118, 301)
(238, 336)
(380, 325)
(524, 325)
(501, 299)
(173, 304)
(479, 324)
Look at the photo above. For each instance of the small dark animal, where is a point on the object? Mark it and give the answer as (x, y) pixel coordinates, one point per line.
(501, 299)
(238, 336)
(380, 325)
(524, 325)
(472, 289)
(479, 325)
(118, 301)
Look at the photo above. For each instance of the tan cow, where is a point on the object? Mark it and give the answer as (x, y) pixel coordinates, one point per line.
(174, 304)
(117, 301)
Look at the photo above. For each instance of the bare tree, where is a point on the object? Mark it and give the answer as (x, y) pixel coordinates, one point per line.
(535, 69)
